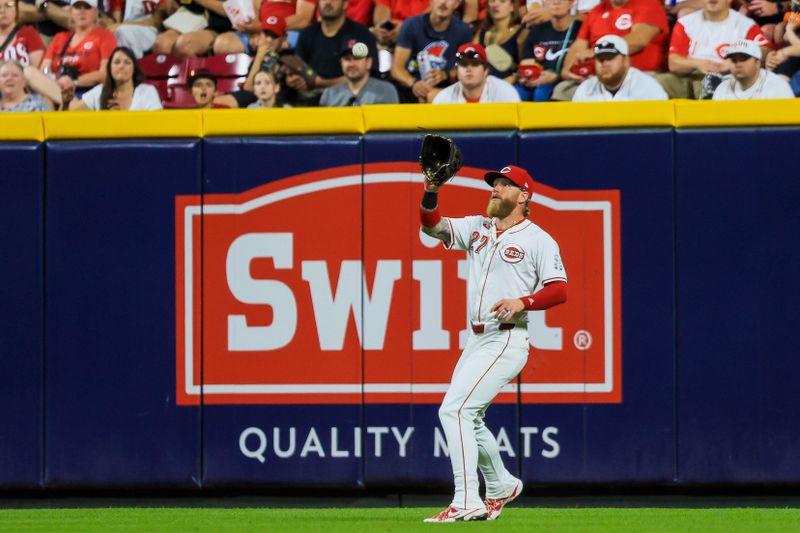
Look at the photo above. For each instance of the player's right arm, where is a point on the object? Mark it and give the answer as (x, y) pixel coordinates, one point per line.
(432, 222)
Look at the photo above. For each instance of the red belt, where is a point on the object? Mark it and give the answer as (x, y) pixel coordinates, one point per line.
(479, 328)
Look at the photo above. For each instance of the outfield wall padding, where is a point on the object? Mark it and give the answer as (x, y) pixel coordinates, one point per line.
(96, 390)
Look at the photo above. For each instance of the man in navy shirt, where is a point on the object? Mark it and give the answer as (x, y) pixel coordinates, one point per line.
(425, 54)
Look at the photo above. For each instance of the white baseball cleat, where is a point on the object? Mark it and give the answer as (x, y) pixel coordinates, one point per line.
(494, 506)
(454, 514)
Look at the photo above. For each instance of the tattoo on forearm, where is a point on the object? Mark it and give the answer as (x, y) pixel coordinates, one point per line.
(440, 231)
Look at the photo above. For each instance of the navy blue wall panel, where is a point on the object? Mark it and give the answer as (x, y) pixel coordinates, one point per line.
(737, 286)
(20, 315)
(240, 165)
(111, 417)
(88, 316)
(633, 440)
(283, 445)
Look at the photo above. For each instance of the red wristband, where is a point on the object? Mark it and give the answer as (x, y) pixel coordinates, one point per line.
(429, 218)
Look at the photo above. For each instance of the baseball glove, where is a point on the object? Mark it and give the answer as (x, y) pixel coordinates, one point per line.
(439, 158)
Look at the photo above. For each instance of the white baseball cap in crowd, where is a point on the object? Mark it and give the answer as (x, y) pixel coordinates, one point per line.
(744, 47)
(92, 3)
(611, 44)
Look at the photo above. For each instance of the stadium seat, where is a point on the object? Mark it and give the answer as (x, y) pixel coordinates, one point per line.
(160, 66)
(161, 86)
(228, 65)
(228, 85)
(179, 97)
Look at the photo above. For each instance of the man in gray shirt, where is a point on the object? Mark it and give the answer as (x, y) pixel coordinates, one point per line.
(359, 88)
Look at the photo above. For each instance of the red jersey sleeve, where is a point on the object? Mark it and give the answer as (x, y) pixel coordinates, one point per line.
(679, 43)
(651, 12)
(107, 44)
(33, 42)
(56, 45)
(583, 32)
(755, 34)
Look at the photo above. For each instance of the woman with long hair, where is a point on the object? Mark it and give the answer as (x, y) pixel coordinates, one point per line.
(124, 88)
(502, 36)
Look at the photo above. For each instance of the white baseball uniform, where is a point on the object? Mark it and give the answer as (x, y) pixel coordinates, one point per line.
(515, 263)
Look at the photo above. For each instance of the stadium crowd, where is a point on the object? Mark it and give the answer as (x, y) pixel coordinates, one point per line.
(100, 54)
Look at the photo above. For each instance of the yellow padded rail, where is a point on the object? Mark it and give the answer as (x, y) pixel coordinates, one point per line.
(405, 117)
(296, 121)
(691, 113)
(21, 127)
(122, 124)
(381, 118)
(556, 115)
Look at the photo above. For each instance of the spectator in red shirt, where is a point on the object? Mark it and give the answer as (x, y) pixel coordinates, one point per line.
(698, 45)
(360, 11)
(298, 14)
(295, 14)
(25, 46)
(643, 25)
(78, 58)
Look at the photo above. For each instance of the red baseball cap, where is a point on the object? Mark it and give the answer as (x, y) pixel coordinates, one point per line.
(274, 24)
(473, 51)
(516, 175)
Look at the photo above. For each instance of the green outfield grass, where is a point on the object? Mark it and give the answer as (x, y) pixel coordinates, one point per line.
(347, 520)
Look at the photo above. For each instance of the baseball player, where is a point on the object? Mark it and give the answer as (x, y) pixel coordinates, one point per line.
(514, 267)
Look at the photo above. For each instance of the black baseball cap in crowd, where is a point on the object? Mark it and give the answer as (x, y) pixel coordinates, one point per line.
(353, 47)
(200, 74)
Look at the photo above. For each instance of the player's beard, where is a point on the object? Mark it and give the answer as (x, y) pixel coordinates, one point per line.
(500, 208)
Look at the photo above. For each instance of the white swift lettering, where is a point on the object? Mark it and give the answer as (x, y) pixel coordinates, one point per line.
(334, 303)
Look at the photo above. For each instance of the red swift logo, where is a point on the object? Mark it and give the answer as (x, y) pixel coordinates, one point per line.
(320, 287)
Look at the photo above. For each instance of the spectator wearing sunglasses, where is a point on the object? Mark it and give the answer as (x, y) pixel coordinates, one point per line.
(359, 88)
(615, 80)
(475, 84)
(643, 25)
(748, 80)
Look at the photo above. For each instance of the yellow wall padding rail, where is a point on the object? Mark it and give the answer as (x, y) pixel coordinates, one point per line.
(385, 118)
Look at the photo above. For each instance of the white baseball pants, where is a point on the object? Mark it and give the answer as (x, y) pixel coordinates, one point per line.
(489, 361)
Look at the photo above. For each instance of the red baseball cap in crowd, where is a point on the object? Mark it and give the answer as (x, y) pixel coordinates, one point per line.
(275, 25)
(473, 51)
(516, 175)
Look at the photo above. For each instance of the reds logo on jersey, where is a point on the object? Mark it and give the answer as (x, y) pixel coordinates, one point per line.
(539, 52)
(512, 253)
(275, 310)
(624, 22)
(432, 56)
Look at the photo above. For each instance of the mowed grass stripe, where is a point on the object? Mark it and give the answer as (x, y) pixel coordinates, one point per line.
(392, 519)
